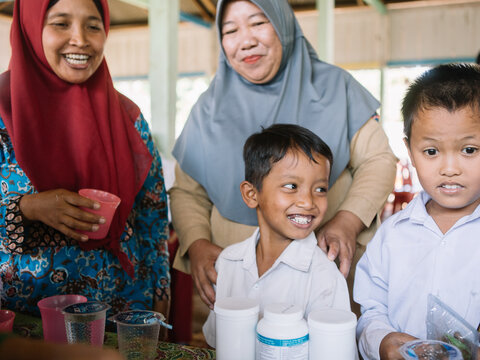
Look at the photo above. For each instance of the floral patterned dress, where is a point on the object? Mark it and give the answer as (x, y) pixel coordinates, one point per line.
(37, 261)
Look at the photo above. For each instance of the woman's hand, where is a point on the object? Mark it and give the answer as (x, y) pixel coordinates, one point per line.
(391, 343)
(60, 209)
(203, 254)
(338, 237)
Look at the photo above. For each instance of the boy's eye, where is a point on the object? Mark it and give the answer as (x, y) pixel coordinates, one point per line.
(290, 186)
(469, 150)
(321, 189)
(430, 152)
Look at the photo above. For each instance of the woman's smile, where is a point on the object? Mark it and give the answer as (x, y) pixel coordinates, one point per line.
(77, 60)
(73, 39)
(252, 59)
(248, 38)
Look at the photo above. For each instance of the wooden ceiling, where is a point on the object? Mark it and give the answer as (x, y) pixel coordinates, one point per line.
(129, 12)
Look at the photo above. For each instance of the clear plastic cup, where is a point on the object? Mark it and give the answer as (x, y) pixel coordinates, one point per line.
(430, 350)
(85, 322)
(6, 320)
(53, 322)
(108, 205)
(137, 332)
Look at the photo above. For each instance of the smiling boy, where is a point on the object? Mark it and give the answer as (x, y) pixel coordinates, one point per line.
(432, 246)
(287, 169)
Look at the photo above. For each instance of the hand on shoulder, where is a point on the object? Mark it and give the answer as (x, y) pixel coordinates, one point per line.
(203, 254)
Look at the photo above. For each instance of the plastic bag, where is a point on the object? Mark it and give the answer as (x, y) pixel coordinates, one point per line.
(444, 324)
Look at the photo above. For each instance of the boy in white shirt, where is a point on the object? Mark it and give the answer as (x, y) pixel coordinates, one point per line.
(433, 245)
(287, 168)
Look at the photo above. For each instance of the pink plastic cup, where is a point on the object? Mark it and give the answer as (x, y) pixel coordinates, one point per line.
(6, 320)
(108, 206)
(53, 321)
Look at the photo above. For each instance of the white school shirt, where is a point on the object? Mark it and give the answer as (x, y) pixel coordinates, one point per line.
(302, 275)
(409, 258)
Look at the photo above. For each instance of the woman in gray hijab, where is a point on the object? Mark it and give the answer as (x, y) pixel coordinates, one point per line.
(268, 73)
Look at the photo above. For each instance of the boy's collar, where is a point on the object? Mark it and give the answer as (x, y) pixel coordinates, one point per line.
(416, 210)
(298, 253)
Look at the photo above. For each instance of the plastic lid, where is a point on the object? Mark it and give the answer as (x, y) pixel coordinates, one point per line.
(236, 307)
(430, 350)
(283, 312)
(86, 308)
(332, 319)
(138, 317)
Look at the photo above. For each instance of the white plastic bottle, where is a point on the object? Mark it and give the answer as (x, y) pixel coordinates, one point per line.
(282, 333)
(235, 322)
(332, 334)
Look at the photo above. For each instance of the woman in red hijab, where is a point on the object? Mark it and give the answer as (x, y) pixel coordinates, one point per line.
(64, 127)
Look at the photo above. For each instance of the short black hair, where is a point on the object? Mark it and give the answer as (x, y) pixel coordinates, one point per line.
(96, 2)
(265, 148)
(449, 86)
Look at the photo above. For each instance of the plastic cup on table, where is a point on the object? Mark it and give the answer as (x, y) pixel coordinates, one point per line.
(430, 350)
(85, 322)
(53, 323)
(6, 320)
(137, 333)
(108, 205)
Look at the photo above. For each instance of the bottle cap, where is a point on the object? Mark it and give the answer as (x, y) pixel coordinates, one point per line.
(283, 312)
(236, 307)
(332, 320)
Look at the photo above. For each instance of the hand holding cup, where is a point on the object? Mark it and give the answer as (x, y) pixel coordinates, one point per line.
(108, 205)
(63, 210)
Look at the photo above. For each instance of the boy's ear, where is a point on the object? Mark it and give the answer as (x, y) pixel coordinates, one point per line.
(249, 194)
(409, 153)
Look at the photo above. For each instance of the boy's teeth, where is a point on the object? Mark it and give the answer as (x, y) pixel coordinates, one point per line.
(303, 220)
(451, 186)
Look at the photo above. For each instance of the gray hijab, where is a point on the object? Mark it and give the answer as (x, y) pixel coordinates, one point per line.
(305, 91)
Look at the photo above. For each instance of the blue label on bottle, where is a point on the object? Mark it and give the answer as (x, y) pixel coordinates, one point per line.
(282, 343)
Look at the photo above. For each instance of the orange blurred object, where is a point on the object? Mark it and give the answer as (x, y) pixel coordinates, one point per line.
(402, 193)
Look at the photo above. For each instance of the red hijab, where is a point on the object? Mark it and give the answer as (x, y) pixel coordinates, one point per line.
(71, 136)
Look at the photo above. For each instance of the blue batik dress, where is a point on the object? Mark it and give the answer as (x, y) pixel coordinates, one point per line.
(37, 261)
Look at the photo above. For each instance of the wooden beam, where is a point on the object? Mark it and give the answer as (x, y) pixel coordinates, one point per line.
(139, 3)
(163, 26)
(378, 5)
(204, 11)
(326, 30)
(210, 6)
